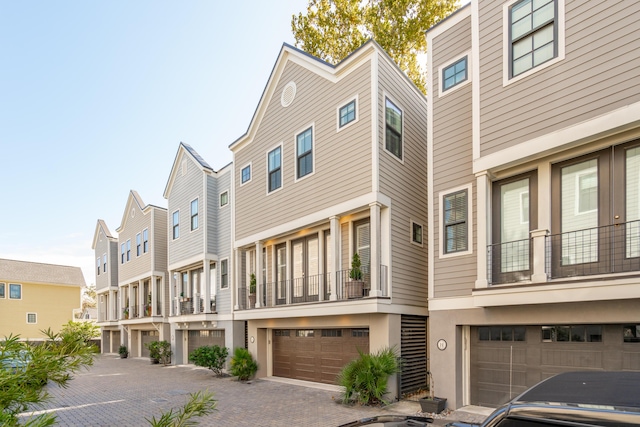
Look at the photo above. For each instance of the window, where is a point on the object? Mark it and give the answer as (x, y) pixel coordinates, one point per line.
(2, 291)
(128, 250)
(194, 214)
(630, 333)
(98, 266)
(245, 174)
(138, 244)
(502, 333)
(145, 241)
(224, 274)
(104, 263)
(31, 318)
(360, 333)
(454, 212)
(176, 225)
(275, 169)
(393, 124)
(363, 243)
(224, 199)
(281, 332)
(533, 34)
(122, 253)
(454, 74)
(15, 291)
(347, 114)
(305, 333)
(573, 333)
(304, 153)
(331, 333)
(416, 233)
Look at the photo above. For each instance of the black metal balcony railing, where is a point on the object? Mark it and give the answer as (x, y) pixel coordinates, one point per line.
(599, 250)
(187, 305)
(308, 289)
(509, 262)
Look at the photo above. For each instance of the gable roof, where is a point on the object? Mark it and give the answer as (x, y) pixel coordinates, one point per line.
(134, 197)
(316, 65)
(101, 225)
(185, 149)
(35, 272)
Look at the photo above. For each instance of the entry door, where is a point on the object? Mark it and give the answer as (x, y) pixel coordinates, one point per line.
(305, 269)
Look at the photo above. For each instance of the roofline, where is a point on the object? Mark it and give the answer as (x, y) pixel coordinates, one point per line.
(447, 18)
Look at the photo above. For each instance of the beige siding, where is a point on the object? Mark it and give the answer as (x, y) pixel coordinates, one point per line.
(600, 73)
(344, 245)
(342, 159)
(102, 247)
(406, 183)
(159, 248)
(452, 160)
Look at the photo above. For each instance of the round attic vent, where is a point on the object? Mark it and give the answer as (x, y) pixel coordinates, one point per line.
(133, 213)
(288, 94)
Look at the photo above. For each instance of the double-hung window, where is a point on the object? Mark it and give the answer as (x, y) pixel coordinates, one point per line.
(15, 291)
(224, 274)
(533, 34)
(138, 244)
(304, 153)
(122, 253)
(347, 113)
(176, 225)
(2, 291)
(145, 242)
(274, 160)
(393, 125)
(128, 250)
(416, 233)
(454, 213)
(194, 214)
(104, 263)
(224, 199)
(98, 265)
(245, 174)
(454, 74)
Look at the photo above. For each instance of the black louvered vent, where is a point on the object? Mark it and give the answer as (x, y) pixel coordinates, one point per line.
(413, 351)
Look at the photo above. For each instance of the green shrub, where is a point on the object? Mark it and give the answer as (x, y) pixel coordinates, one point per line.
(199, 404)
(210, 356)
(242, 364)
(365, 378)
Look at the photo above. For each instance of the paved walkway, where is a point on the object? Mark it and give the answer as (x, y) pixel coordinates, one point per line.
(123, 392)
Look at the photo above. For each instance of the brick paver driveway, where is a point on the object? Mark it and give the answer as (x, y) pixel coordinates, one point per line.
(123, 392)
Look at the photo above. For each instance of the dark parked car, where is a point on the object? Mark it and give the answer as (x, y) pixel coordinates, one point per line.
(391, 421)
(577, 399)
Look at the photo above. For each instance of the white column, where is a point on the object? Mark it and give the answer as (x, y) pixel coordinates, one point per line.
(172, 293)
(111, 305)
(539, 273)
(258, 274)
(321, 264)
(206, 269)
(236, 284)
(374, 268)
(152, 284)
(483, 185)
(334, 241)
(289, 288)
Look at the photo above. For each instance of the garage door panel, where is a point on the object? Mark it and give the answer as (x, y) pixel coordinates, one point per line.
(630, 361)
(575, 358)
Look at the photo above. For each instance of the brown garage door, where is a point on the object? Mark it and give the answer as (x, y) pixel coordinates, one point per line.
(115, 341)
(202, 338)
(316, 354)
(147, 337)
(506, 360)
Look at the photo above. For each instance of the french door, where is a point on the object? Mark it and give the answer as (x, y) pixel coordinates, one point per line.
(305, 269)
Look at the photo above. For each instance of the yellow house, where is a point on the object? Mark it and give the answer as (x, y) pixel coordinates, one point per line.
(36, 296)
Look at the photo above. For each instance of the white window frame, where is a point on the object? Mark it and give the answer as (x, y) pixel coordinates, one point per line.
(341, 106)
(441, 195)
(35, 315)
(441, 68)
(197, 215)
(145, 242)
(224, 260)
(281, 145)
(9, 293)
(411, 224)
(104, 263)
(312, 126)
(99, 262)
(138, 244)
(385, 97)
(3, 286)
(174, 225)
(122, 253)
(220, 198)
(506, 44)
(248, 165)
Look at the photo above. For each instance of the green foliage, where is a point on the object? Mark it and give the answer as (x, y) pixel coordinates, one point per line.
(356, 272)
(332, 29)
(123, 351)
(26, 368)
(242, 364)
(160, 351)
(365, 379)
(210, 356)
(252, 284)
(83, 330)
(200, 404)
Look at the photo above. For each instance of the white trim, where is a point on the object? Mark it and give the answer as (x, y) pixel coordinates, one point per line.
(5, 289)
(443, 92)
(413, 242)
(375, 117)
(560, 43)
(171, 233)
(228, 274)
(385, 96)
(441, 194)
(430, 200)
(582, 133)
(191, 230)
(220, 205)
(248, 165)
(475, 88)
(269, 150)
(36, 317)
(312, 126)
(356, 111)
(9, 291)
(453, 303)
(148, 241)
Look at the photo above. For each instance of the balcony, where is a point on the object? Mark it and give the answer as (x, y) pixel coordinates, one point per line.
(595, 251)
(326, 287)
(188, 305)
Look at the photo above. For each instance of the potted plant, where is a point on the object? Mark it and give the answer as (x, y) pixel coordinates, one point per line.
(154, 352)
(123, 352)
(252, 290)
(431, 403)
(164, 352)
(355, 287)
(125, 313)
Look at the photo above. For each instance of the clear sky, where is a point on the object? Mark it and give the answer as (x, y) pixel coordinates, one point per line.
(95, 97)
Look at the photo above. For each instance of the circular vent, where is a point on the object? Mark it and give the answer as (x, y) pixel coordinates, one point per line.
(288, 94)
(133, 213)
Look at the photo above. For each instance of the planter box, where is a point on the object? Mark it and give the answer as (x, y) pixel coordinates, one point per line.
(433, 406)
(355, 289)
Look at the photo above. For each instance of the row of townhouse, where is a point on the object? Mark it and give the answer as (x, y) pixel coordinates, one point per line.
(503, 207)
